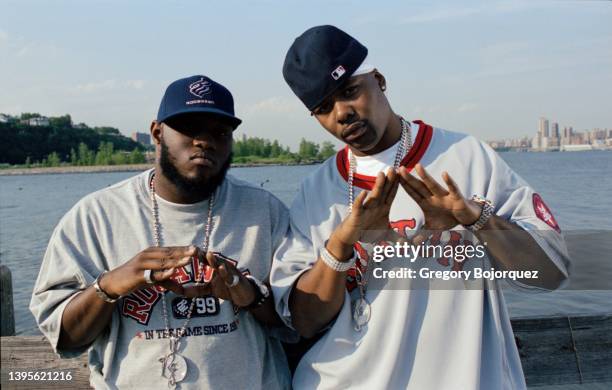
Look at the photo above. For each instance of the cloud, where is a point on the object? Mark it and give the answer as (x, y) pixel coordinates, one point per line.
(448, 12)
(276, 104)
(108, 85)
(467, 107)
(439, 14)
(135, 84)
(4, 37)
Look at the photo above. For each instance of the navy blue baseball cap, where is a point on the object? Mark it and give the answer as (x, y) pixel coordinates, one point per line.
(197, 94)
(319, 61)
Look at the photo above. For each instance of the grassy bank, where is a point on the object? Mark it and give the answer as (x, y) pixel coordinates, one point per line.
(7, 170)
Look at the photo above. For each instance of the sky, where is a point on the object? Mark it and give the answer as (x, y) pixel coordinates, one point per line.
(487, 68)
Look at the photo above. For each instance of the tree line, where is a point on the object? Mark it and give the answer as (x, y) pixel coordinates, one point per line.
(22, 143)
(60, 142)
(260, 149)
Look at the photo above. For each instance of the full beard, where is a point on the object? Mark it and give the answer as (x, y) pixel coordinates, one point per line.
(202, 186)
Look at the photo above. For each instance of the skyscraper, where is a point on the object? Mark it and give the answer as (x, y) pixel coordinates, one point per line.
(543, 128)
(555, 130)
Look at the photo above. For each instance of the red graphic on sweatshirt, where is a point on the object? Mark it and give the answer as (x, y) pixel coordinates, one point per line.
(543, 212)
(361, 263)
(401, 226)
(453, 241)
(139, 304)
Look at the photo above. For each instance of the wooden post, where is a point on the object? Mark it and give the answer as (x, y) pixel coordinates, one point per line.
(7, 313)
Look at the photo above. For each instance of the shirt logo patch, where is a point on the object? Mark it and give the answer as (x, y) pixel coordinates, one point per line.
(543, 212)
(200, 88)
(338, 72)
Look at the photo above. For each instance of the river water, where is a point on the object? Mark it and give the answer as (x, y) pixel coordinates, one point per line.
(576, 186)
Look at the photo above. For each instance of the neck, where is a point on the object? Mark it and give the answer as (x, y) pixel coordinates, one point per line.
(167, 190)
(391, 136)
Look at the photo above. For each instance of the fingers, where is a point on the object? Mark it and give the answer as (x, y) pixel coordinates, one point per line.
(375, 195)
(453, 188)
(403, 172)
(431, 184)
(393, 179)
(416, 185)
(211, 259)
(159, 276)
(161, 258)
(358, 203)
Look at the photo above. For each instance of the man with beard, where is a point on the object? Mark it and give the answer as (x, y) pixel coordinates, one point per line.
(417, 334)
(162, 276)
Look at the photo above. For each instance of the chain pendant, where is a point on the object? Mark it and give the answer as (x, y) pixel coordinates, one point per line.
(360, 307)
(174, 366)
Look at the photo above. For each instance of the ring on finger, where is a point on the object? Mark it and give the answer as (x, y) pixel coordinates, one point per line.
(147, 276)
(235, 281)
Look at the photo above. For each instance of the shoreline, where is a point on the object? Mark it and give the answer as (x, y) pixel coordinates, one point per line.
(118, 168)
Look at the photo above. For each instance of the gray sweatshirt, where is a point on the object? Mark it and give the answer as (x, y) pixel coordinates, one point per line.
(224, 348)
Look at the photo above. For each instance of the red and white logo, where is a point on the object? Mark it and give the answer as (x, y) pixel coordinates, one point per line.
(338, 72)
(544, 213)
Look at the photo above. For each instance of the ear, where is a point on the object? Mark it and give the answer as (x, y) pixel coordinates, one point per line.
(156, 132)
(380, 79)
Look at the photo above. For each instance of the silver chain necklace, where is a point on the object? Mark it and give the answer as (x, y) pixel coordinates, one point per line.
(174, 366)
(361, 307)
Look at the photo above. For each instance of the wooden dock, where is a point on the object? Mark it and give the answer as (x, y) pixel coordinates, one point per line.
(555, 352)
(568, 353)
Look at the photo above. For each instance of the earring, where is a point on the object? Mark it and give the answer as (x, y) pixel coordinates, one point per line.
(384, 88)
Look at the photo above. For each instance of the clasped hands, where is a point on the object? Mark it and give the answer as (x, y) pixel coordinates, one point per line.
(227, 282)
(444, 207)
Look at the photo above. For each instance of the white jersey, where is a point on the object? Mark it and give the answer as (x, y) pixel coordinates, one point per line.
(416, 338)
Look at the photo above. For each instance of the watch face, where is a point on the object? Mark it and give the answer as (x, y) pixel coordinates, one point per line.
(264, 290)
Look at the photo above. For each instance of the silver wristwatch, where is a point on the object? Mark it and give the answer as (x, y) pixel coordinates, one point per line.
(101, 293)
(485, 214)
(262, 292)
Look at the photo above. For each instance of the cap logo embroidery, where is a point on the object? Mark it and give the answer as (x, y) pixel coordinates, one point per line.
(338, 72)
(200, 88)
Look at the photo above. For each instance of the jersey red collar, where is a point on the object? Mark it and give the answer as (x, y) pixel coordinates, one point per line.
(414, 155)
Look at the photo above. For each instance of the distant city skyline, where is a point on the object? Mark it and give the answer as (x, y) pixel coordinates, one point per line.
(487, 68)
(551, 139)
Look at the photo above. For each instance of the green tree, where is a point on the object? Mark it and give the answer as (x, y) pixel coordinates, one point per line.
(86, 156)
(326, 150)
(74, 157)
(104, 156)
(120, 158)
(29, 115)
(53, 160)
(308, 150)
(275, 149)
(136, 157)
(64, 121)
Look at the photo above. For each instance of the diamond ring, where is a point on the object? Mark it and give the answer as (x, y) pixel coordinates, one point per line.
(147, 276)
(235, 281)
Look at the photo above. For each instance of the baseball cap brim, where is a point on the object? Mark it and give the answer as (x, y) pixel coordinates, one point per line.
(234, 121)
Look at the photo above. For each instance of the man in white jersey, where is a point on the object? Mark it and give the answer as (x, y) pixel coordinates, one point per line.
(162, 276)
(455, 337)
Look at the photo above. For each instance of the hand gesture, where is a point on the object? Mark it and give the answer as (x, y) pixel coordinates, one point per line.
(162, 261)
(227, 283)
(444, 208)
(369, 219)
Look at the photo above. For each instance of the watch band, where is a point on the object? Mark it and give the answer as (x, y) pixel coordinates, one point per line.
(262, 292)
(485, 214)
(101, 293)
(335, 264)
